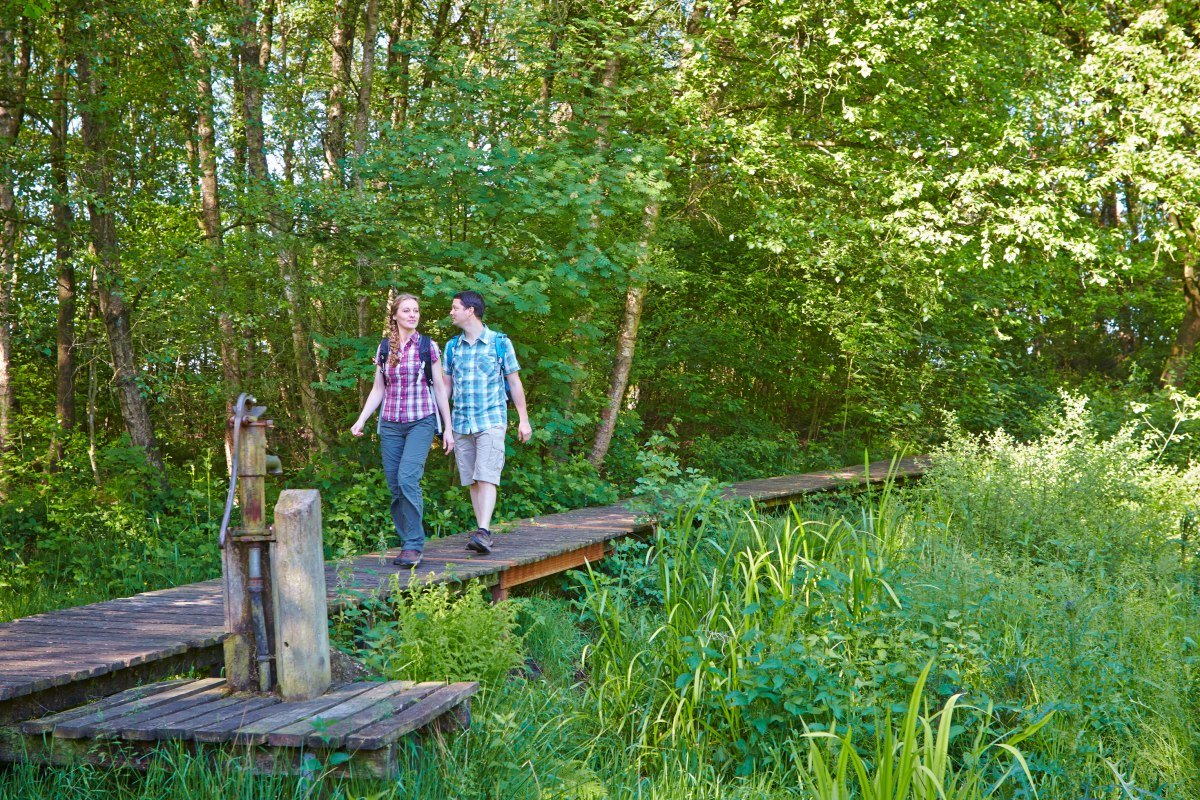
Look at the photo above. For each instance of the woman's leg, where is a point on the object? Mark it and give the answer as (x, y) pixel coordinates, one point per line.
(392, 438)
(408, 477)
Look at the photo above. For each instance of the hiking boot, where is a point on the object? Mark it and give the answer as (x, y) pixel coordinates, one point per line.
(480, 541)
(408, 558)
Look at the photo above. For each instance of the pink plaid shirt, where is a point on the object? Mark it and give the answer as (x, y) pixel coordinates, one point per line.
(406, 398)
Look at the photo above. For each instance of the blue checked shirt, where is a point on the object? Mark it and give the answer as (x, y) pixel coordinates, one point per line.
(479, 398)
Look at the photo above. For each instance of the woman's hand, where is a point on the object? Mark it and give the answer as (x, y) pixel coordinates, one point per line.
(448, 440)
(357, 428)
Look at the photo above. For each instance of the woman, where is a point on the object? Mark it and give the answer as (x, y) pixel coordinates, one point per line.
(408, 421)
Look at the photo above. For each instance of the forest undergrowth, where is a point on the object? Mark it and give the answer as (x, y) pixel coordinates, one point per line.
(1019, 624)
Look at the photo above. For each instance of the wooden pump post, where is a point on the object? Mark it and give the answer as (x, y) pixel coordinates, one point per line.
(301, 612)
(245, 558)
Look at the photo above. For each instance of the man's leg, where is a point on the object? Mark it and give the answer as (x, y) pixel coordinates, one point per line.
(489, 462)
(483, 500)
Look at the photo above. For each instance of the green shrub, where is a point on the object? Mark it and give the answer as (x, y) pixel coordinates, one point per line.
(1102, 506)
(433, 632)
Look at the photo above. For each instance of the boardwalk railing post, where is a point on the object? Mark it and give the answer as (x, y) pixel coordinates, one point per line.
(301, 612)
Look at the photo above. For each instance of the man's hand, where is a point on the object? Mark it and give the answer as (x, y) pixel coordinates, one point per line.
(357, 428)
(525, 431)
(448, 441)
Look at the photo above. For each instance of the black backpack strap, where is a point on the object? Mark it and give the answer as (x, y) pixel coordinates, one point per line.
(384, 346)
(424, 346)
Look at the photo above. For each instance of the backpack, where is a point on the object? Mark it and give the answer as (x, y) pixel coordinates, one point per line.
(500, 339)
(424, 349)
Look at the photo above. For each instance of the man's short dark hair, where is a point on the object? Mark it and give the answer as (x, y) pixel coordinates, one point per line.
(472, 300)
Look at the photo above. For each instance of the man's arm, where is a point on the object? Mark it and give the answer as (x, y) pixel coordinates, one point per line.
(517, 390)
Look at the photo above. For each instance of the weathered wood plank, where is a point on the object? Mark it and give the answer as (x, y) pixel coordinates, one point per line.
(235, 709)
(333, 737)
(85, 725)
(46, 724)
(180, 724)
(220, 729)
(384, 732)
(256, 732)
(192, 704)
(293, 735)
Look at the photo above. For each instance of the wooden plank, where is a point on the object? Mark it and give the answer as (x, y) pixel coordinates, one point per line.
(46, 724)
(180, 723)
(83, 726)
(26, 704)
(193, 703)
(381, 734)
(333, 737)
(95, 617)
(293, 735)
(550, 566)
(33, 663)
(25, 635)
(284, 714)
(235, 710)
(221, 729)
(30, 652)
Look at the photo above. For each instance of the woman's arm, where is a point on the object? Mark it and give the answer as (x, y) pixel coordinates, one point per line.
(372, 403)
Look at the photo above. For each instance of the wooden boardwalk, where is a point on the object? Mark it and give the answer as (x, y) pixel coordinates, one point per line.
(57, 660)
(365, 721)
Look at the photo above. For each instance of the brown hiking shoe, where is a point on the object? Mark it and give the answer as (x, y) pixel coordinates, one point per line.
(408, 558)
(480, 541)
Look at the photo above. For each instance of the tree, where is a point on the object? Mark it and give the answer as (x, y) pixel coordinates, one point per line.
(16, 42)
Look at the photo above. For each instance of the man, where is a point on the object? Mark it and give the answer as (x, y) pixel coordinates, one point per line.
(479, 362)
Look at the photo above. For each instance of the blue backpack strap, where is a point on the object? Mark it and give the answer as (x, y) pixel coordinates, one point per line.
(448, 352)
(501, 340)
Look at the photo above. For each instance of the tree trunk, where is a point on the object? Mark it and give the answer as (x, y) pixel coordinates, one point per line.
(635, 297)
(344, 15)
(114, 313)
(254, 59)
(1188, 335)
(362, 118)
(14, 76)
(400, 62)
(64, 391)
(210, 201)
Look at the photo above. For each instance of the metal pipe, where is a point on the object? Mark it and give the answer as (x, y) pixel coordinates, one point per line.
(259, 617)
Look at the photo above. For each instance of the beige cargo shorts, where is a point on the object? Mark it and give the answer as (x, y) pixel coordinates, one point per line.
(480, 456)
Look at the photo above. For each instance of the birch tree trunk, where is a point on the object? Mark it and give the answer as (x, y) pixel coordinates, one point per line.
(635, 298)
(635, 293)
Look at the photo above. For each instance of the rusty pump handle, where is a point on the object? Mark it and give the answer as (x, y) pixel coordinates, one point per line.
(240, 413)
